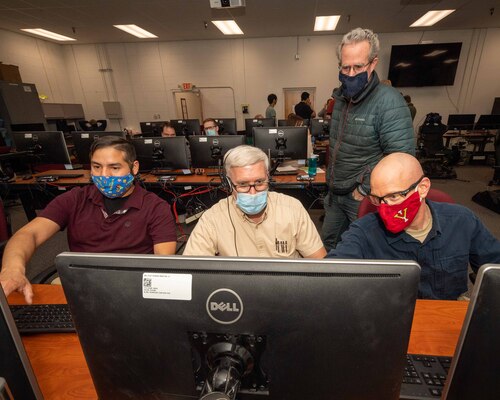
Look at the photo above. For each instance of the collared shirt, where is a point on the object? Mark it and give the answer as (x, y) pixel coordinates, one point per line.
(270, 112)
(456, 238)
(286, 231)
(143, 221)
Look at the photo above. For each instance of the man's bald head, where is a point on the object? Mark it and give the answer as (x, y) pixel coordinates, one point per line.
(395, 172)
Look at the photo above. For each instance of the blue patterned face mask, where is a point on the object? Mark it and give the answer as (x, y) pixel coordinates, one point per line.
(252, 204)
(113, 186)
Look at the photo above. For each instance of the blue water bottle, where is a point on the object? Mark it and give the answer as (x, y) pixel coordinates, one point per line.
(312, 165)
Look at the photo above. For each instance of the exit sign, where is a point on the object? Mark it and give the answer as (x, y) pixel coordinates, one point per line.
(187, 86)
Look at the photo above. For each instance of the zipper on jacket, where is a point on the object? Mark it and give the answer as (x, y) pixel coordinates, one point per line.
(338, 143)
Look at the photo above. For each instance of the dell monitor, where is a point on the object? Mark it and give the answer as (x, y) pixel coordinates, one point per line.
(15, 367)
(282, 143)
(459, 122)
(44, 147)
(169, 153)
(283, 122)
(186, 127)
(251, 123)
(152, 129)
(240, 328)
(209, 151)
(320, 128)
(227, 126)
(83, 140)
(486, 122)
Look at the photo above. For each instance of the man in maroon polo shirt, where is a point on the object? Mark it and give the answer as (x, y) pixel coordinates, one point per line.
(113, 215)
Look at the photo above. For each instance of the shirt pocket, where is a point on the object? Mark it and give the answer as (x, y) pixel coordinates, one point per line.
(454, 277)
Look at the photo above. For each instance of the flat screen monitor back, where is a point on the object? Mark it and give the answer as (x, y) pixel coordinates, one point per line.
(496, 106)
(320, 127)
(286, 142)
(315, 329)
(46, 147)
(474, 372)
(83, 140)
(207, 150)
(186, 127)
(251, 123)
(15, 367)
(461, 121)
(227, 126)
(164, 153)
(152, 129)
(486, 122)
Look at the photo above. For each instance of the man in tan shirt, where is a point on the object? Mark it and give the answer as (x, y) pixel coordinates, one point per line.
(252, 221)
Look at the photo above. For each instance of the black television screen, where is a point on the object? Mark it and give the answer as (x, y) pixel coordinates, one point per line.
(164, 153)
(178, 328)
(424, 64)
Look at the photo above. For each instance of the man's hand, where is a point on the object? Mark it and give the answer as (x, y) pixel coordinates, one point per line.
(357, 196)
(13, 279)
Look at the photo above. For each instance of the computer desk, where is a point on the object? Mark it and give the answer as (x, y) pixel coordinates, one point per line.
(477, 138)
(31, 193)
(62, 372)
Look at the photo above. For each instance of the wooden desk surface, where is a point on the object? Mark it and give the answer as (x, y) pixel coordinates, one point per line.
(148, 178)
(62, 372)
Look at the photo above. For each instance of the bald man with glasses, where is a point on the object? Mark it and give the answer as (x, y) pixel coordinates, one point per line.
(443, 238)
(369, 120)
(253, 221)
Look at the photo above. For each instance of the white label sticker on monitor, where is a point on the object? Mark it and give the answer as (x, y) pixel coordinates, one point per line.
(28, 135)
(271, 131)
(203, 139)
(167, 286)
(179, 121)
(148, 141)
(148, 123)
(85, 135)
(320, 121)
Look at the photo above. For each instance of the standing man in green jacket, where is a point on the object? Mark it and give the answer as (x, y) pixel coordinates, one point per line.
(369, 120)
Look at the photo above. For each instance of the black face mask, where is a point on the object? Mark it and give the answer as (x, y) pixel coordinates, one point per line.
(353, 85)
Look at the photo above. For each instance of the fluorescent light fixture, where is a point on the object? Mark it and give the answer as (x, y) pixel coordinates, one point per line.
(435, 53)
(229, 27)
(137, 31)
(48, 34)
(403, 65)
(431, 17)
(450, 61)
(326, 23)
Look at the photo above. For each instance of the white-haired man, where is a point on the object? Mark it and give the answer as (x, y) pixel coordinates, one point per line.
(253, 221)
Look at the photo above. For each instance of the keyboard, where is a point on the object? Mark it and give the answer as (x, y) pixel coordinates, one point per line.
(424, 376)
(42, 318)
(281, 173)
(55, 177)
(169, 172)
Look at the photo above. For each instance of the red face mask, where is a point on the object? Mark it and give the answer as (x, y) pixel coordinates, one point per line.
(399, 216)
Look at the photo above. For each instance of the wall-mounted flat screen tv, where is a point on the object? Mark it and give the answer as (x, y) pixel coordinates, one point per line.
(424, 64)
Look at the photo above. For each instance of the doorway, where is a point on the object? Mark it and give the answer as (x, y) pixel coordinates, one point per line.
(188, 105)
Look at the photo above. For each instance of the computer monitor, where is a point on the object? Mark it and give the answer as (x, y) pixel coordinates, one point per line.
(45, 147)
(474, 368)
(461, 122)
(283, 122)
(152, 129)
(282, 143)
(15, 367)
(186, 127)
(282, 329)
(83, 140)
(164, 153)
(486, 122)
(495, 110)
(320, 128)
(251, 123)
(209, 151)
(227, 126)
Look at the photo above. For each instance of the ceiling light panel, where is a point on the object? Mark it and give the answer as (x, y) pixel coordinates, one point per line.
(326, 23)
(136, 31)
(48, 34)
(431, 17)
(229, 27)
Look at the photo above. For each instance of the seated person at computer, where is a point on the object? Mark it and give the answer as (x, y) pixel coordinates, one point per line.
(303, 108)
(113, 215)
(210, 127)
(253, 221)
(443, 238)
(167, 130)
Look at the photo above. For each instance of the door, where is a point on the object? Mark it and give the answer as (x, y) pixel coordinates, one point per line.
(188, 105)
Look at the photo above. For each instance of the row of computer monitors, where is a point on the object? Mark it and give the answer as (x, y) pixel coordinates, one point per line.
(227, 126)
(467, 122)
(197, 151)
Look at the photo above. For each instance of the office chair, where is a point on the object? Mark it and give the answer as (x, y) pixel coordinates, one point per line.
(99, 125)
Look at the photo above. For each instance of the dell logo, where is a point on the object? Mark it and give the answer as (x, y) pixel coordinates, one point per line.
(224, 306)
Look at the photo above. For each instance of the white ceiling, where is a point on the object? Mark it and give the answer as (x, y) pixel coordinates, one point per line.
(91, 21)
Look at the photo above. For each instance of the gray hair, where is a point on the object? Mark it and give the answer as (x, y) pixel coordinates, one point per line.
(243, 156)
(360, 35)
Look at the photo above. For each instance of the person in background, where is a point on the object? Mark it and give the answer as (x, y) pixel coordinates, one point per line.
(259, 116)
(252, 221)
(413, 110)
(369, 120)
(272, 99)
(443, 238)
(113, 215)
(210, 127)
(326, 111)
(167, 130)
(303, 109)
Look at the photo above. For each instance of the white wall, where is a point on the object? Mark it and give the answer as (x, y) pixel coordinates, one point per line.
(142, 76)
